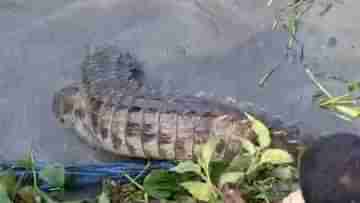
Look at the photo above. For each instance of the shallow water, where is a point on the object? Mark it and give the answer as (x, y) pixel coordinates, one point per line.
(222, 48)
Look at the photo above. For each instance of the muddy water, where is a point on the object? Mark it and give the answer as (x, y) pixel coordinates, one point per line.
(219, 47)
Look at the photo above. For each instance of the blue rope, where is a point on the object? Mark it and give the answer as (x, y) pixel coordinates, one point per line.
(84, 175)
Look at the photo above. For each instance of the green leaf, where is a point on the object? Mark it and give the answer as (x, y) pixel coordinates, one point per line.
(53, 175)
(347, 110)
(262, 132)
(8, 180)
(178, 199)
(248, 146)
(230, 177)
(214, 198)
(263, 196)
(219, 201)
(283, 173)
(4, 196)
(161, 184)
(240, 162)
(104, 198)
(207, 151)
(199, 190)
(187, 166)
(353, 86)
(292, 29)
(276, 156)
(335, 100)
(216, 168)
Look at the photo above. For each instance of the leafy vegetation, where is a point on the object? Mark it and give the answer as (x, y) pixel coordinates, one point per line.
(289, 17)
(259, 172)
(345, 106)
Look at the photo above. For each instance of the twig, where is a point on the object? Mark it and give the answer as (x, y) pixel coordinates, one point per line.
(146, 196)
(133, 182)
(345, 118)
(313, 79)
(326, 9)
(275, 24)
(336, 100)
(147, 166)
(18, 184)
(310, 4)
(267, 75)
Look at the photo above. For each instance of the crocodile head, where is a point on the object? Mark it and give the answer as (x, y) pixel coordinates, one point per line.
(66, 105)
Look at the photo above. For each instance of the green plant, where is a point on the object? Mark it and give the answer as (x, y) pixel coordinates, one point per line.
(345, 106)
(259, 172)
(13, 190)
(255, 170)
(289, 17)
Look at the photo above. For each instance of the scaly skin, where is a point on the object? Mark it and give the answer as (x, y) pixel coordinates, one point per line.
(152, 127)
(142, 126)
(114, 109)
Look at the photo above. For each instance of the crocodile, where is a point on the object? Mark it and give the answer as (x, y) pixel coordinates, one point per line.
(115, 108)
